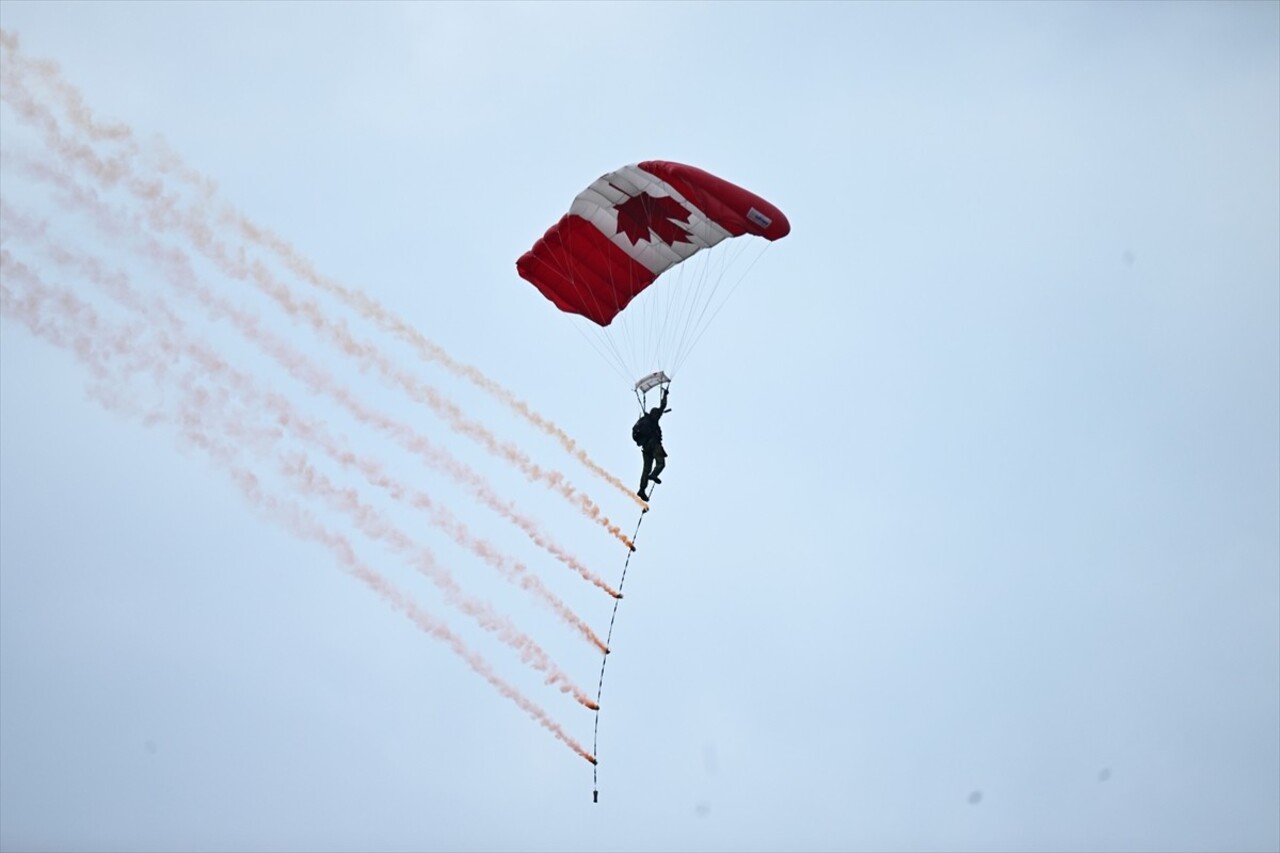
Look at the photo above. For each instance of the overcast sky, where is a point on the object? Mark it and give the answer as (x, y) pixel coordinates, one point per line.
(970, 533)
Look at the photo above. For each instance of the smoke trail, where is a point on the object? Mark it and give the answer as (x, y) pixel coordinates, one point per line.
(73, 106)
(183, 277)
(202, 402)
(94, 353)
(308, 479)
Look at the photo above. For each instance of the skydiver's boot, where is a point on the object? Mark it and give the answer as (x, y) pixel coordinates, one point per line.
(643, 496)
(655, 480)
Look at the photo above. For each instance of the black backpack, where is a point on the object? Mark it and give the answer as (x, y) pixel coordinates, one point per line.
(642, 431)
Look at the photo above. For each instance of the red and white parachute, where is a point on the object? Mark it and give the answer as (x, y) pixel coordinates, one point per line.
(627, 229)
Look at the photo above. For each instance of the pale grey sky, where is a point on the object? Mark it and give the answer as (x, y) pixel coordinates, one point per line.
(970, 537)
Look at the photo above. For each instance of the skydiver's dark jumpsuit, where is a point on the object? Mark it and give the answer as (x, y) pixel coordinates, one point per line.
(655, 456)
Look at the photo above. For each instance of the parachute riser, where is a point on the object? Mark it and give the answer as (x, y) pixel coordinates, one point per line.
(643, 400)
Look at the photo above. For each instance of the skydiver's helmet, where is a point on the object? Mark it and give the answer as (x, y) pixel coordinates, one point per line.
(655, 412)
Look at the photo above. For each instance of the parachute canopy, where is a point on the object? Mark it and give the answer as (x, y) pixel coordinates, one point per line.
(631, 226)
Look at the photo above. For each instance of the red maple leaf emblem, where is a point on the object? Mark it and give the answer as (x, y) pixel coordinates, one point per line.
(644, 214)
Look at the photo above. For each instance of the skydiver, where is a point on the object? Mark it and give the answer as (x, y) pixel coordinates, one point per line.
(648, 434)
